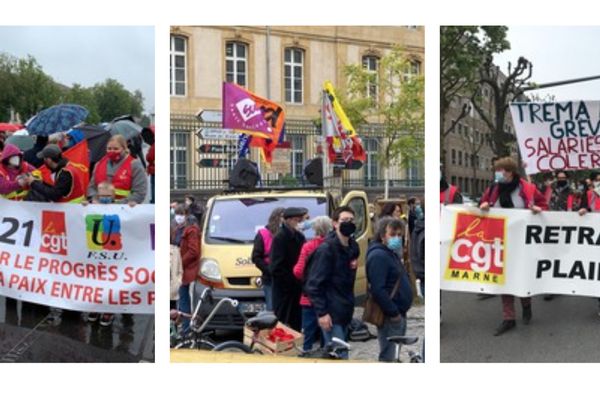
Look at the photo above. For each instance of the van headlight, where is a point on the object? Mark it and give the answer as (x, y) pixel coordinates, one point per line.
(209, 269)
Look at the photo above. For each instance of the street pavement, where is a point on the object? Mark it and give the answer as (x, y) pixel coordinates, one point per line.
(369, 351)
(566, 329)
(28, 334)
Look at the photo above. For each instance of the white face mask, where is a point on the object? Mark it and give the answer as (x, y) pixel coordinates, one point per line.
(15, 161)
(179, 219)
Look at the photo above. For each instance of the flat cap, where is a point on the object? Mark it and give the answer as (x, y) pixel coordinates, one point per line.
(291, 212)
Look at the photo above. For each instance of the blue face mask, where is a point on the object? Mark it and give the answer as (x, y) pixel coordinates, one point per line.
(105, 200)
(305, 225)
(419, 212)
(395, 243)
(499, 177)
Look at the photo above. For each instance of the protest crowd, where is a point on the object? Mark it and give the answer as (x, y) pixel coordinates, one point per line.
(560, 191)
(57, 158)
(309, 284)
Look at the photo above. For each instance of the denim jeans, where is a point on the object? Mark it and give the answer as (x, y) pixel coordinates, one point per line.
(388, 351)
(337, 331)
(310, 327)
(268, 290)
(184, 304)
(422, 285)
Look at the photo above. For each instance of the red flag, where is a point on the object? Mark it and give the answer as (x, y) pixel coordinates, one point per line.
(78, 155)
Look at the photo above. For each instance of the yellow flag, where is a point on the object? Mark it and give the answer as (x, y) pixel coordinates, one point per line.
(338, 110)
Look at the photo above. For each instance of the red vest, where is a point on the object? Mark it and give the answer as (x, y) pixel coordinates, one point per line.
(121, 180)
(18, 194)
(447, 196)
(593, 201)
(77, 194)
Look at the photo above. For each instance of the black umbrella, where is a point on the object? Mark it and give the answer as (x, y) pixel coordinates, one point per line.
(97, 138)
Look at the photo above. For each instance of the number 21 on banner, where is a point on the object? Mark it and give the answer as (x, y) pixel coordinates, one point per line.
(10, 231)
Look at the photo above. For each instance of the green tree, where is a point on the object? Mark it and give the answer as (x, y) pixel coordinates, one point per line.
(113, 100)
(26, 89)
(463, 52)
(399, 106)
(84, 97)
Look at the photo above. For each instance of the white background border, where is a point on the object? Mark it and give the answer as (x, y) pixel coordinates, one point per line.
(363, 381)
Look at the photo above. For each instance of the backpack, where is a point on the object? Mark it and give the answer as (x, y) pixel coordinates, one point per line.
(244, 175)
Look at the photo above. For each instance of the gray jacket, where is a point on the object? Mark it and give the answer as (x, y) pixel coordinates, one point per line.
(139, 181)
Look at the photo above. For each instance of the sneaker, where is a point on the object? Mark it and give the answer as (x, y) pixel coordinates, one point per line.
(506, 326)
(92, 317)
(107, 319)
(526, 315)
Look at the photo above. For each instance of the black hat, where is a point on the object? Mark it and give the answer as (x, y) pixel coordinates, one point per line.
(291, 212)
(50, 151)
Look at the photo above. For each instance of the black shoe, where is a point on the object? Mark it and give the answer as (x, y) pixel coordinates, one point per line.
(526, 315)
(506, 325)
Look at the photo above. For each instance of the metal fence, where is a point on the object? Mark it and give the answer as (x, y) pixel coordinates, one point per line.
(184, 146)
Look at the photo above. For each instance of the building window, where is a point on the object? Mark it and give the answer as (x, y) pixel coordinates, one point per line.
(178, 62)
(236, 63)
(297, 155)
(293, 64)
(460, 158)
(371, 65)
(413, 172)
(371, 166)
(453, 157)
(179, 151)
(411, 70)
(466, 159)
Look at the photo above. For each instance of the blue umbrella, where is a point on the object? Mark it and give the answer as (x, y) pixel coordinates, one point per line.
(57, 118)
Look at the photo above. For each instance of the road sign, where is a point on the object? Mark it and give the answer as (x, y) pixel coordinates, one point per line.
(210, 116)
(216, 148)
(217, 133)
(216, 163)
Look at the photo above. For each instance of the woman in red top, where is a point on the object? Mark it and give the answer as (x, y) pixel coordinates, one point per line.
(511, 191)
(310, 323)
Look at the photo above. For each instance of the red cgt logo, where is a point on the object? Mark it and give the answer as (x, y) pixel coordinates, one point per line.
(477, 251)
(54, 233)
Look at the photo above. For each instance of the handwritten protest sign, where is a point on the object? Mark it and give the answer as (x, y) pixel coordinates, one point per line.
(554, 136)
(94, 258)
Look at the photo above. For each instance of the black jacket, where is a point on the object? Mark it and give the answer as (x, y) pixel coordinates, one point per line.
(417, 249)
(45, 193)
(285, 250)
(258, 258)
(330, 281)
(384, 268)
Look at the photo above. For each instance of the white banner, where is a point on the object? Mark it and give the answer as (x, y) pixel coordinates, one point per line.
(555, 136)
(95, 258)
(508, 251)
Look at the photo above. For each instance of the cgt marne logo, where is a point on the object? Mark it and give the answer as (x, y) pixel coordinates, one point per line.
(103, 232)
(477, 252)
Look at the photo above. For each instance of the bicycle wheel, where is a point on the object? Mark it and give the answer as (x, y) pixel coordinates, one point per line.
(233, 346)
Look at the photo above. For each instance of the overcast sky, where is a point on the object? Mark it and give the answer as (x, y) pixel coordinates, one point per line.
(89, 55)
(557, 53)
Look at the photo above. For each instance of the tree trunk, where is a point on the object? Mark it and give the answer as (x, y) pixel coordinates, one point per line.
(386, 182)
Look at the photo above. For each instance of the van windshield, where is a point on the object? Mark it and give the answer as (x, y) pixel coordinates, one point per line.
(238, 220)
